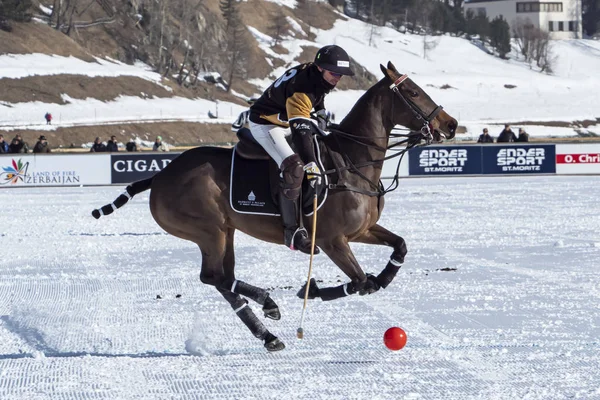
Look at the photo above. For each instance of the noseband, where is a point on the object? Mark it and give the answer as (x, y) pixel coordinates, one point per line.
(426, 129)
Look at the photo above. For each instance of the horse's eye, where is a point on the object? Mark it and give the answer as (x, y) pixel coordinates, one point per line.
(413, 93)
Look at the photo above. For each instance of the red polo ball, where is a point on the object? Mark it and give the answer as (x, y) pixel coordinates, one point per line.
(394, 338)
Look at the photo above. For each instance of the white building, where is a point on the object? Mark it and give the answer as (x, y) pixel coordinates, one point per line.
(561, 18)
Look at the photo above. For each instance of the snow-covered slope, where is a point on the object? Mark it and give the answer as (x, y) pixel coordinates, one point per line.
(477, 95)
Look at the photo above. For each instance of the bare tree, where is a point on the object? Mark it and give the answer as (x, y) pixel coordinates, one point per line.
(237, 52)
(278, 27)
(534, 45)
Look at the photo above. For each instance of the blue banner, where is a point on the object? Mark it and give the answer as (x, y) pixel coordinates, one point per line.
(447, 160)
(519, 159)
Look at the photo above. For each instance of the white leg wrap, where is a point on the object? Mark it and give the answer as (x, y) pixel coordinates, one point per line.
(394, 262)
(232, 290)
(346, 289)
(113, 206)
(240, 308)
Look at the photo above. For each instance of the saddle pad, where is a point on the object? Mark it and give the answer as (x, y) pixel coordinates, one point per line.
(250, 187)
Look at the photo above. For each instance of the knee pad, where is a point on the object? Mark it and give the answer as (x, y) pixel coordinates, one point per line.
(293, 174)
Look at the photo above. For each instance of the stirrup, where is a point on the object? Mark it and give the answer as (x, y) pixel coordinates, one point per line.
(302, 230)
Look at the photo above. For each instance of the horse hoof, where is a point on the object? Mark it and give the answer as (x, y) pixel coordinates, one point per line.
(371, 286)
(271, 310)
(313, 290)
(274, 345)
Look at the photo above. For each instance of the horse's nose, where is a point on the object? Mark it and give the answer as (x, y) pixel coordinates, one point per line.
(452, 125)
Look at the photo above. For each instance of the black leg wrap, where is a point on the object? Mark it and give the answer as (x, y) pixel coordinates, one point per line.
(337, 292)
(388, 274)
(249, 319)
(252, 292)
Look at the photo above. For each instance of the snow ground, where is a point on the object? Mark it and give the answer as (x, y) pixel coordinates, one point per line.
(517, 318)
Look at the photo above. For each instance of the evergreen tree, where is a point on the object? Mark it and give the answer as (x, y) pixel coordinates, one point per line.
(15, 10)
(500, 36)
(591, 16)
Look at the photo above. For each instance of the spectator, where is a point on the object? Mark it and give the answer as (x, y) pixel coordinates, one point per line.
(111, 145)
(48, 117)
(131, 145)
(507, 135)
(485, 137)
(159, 145)
(523, 136)
(98, 146)
(41, 146)
(3, 145)
(17, 146)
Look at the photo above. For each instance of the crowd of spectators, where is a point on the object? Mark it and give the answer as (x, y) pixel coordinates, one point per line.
(112, 145)
(506, 136)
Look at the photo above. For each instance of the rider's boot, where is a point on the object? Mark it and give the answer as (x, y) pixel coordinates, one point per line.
(295, 238)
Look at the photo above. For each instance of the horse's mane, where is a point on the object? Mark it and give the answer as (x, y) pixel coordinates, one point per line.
(356, 115)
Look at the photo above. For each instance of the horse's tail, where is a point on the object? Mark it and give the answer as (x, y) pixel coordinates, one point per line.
(130, 191)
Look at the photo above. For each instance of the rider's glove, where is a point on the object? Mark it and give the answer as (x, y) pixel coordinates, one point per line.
(322, 119)
(313, 174)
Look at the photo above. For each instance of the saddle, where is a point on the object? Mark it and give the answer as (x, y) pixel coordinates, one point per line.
(254, 180)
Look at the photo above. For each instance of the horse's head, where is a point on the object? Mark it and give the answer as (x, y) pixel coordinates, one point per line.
(422, 111)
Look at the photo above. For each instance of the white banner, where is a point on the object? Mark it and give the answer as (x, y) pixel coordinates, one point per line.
(54, 170)
(578, 158)
(389, 167)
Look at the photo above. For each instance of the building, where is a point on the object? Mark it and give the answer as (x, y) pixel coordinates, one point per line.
(561, 18)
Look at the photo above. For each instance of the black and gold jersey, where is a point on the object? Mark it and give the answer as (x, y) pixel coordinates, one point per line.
(294, 95)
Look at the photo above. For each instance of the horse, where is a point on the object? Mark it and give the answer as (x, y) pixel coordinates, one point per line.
(189, 199)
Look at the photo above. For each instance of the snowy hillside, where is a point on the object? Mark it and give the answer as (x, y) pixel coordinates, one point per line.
(477, 95)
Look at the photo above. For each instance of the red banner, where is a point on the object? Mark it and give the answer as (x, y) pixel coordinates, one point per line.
(593, 158)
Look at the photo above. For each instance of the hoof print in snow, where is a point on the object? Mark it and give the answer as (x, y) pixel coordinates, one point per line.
(158, 297)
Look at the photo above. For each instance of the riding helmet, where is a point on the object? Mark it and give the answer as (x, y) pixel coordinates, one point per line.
(335, 59)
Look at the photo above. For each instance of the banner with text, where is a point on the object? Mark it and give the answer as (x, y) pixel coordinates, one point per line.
(578, 158)
(519, 159)
(131, 167)
(54, 170)
(448, 160)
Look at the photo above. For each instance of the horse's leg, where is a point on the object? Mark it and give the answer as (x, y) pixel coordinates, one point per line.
(381, 236)
(245, 313)
(340, 253)
(215, 273)
(261, 296)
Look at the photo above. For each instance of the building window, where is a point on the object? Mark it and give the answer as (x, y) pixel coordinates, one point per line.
(561, 26)
(551, 26)
(572, 26)
(532, 6)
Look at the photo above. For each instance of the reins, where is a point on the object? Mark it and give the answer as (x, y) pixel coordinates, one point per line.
(410, 140)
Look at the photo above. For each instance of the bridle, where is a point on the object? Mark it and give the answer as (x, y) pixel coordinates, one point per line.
(412, 139)
(426, 119)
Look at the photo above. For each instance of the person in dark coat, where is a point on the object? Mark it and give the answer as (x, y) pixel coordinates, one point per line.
(98, 146)
(111, 145)
(131, 145)
(41, 146)
(3, 145)
(507, 135)
(523, 136)
(17, 146)
(48, 117)
(485, 137)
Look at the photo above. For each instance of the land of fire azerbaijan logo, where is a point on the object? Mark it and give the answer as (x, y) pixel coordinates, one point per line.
(13, 173)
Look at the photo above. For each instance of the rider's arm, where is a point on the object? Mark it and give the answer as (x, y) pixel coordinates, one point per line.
(298, 107)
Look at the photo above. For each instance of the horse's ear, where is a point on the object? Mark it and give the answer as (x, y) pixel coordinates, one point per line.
(391, 66)
(386, 71)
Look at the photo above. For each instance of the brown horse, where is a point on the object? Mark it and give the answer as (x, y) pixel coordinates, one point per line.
(190, 199)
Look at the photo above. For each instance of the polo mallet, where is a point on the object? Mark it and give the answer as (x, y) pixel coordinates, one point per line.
(300, 331)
